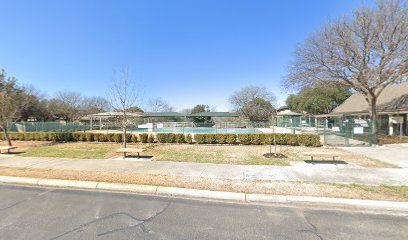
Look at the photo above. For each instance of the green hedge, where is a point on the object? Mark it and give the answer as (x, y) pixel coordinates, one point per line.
(215, 138)
(280, 139)
(247, 139)
(143, 137)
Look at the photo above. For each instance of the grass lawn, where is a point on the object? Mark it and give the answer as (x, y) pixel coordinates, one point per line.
(218, 154)
(66, 150)
(398, 193)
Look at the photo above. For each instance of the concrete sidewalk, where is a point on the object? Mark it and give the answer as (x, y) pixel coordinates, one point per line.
(301, 171)
(396, 154)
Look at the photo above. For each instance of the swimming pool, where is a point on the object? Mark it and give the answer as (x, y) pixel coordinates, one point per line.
(199, 130)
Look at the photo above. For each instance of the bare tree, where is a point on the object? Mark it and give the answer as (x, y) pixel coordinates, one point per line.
(67, 105)
(124, 94)
(240, 100)
(159, 105)
(12, 102)
(367, 51)
(91, 105)
(186, 111)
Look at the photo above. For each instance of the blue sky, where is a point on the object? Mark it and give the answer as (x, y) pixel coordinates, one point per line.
(186, 51)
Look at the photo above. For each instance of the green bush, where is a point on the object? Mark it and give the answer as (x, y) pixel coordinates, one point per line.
(77, 136)
(143, 137)
(89, 137)
(280, 139)
(189, 139)
(244, 139)
(151, 139)
(170, 138)
(180, 138)
(199, 138)
(231, 138)
(128, 137)
(225, 138)
(205, 138)
(255, 139)
(210, 138)
(134, 138)
(117, 137)
(110, 137)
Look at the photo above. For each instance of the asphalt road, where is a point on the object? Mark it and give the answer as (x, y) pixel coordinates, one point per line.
(47, 213)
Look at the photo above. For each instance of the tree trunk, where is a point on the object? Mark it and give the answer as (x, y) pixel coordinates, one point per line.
(6, 136)
(124, 125)
(124, 137)
(374, 117)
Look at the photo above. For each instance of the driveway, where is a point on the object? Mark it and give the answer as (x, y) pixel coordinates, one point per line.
(396, 154)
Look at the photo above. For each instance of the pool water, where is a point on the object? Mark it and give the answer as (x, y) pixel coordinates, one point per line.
(200, 130)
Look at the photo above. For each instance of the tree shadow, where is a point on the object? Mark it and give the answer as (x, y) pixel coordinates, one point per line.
(335, 162)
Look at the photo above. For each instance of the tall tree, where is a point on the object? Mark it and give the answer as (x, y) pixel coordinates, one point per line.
(159, 105)
(200, 108)
(240, 99)
(258, 110)
(12, 102)
(124, 94)
(91, 105)
(319, 99)
(67, 105)
(367, 51)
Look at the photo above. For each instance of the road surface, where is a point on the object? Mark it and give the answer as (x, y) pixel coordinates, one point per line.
(48, 213)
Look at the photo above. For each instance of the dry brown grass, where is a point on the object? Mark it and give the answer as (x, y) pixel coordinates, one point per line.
(277, 188)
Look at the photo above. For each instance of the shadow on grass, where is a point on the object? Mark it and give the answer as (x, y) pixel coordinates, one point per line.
(326, 162)
(136, 157)
(13, 153)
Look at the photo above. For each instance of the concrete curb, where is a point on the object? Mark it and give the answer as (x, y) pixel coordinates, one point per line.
(207, 194)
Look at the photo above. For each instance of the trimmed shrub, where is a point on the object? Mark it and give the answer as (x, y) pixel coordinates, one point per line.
(117, 137)
(150, 139)
(180, 138)
(89, 137)
(110, 137)
(199, 138)
(205, 138)
(77, 136)
(230, 138)
(165, 137)
(128, 137)
(293, 140)
(189, 139)
(134, 138)
(244, 139)
(143, 137)
(255, 139)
